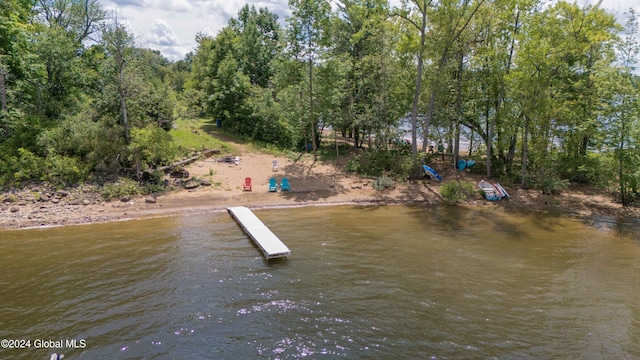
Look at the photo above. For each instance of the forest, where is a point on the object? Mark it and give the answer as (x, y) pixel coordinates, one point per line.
(541, 94)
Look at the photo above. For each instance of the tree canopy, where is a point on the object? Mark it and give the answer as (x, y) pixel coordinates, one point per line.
(541, 93)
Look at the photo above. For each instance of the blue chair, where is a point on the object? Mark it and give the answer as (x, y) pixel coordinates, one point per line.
(284, 185)
(273, 186)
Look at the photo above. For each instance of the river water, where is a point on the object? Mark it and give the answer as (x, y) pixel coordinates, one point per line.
(362, 283)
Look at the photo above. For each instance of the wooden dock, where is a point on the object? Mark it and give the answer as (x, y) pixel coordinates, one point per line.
(267, 241)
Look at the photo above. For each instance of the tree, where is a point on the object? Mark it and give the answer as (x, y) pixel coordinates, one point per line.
(449, 20)
(82, 18)
(14, 30)
(58, 78)
(360, 48)
(421, 25)
(623, 110)
(308, 29)
(496, 36)
(60, 28)
(118, 43)
(258, 43)
(581, 39)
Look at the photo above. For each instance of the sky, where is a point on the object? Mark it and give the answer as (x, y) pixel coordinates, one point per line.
(171, 25)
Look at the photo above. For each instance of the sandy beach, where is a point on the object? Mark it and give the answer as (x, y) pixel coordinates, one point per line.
(312, 184)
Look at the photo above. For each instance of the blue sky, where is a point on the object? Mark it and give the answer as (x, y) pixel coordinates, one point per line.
(171, 25)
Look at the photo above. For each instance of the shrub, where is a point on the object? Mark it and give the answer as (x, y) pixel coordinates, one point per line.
(377, 162)
(551, 184)
(383, 183)
(120, 188)
(151, 188)
(593, 169)
(151, 146)
(65, 170)
(457, 191)
(29, 167)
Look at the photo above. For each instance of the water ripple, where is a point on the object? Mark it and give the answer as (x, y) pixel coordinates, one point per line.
(389, 282)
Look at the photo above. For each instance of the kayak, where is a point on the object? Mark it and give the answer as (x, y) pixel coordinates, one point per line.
(490, 191)
(431, 173)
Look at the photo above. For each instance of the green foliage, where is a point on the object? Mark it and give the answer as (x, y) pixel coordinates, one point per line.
(269, 123)
(457, 191)
(24, 133)
(383, 183)
(376, 162)
(551, 184)
(29, 166)
(151, 146)
(153, 188)
(569, 84)
(74, 136)
(191, 104)
(593, 169)
(121, 188)
(65, 170)
(56, 169)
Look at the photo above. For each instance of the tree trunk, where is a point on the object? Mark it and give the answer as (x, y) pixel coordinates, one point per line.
(471, 136)
(501, 97)
(488, 140)
(123, 95)
(525, 151)
(432, 100)
(125, 120)
(623, 195)
(3, 91)
(311, 119)
(456, 144)
(335, 131)
(511, 152)
(416, 95)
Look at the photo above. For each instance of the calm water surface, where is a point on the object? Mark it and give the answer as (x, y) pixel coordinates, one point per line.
(361, 283)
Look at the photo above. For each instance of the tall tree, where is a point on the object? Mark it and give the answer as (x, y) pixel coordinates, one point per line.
(308, 30)
(359, 41)
(258, 43)
(581, 37)
(623, 111)
(14, 28)
(118, 43)
(415, 14)
(82, 18)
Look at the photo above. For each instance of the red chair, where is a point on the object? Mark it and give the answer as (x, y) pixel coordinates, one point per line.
(247, 184)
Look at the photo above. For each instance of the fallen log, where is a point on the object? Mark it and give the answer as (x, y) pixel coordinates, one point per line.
(179, 163)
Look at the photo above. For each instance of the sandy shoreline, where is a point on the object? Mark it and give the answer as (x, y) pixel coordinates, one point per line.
(312, 183)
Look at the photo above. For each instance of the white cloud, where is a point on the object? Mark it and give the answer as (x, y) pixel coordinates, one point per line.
(125, 3)
(162, 34)
(167, 5)
(170, 5)
(221, 8)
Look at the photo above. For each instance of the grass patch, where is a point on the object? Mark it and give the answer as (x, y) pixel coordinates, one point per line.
(191, 134)
(128, 187)
(457, 191)
(122, 187)
(271, 149)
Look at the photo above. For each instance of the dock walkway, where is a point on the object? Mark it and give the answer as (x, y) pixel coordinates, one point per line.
(267, 241)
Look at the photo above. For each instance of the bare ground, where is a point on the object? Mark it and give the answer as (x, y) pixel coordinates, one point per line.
(312, 184)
